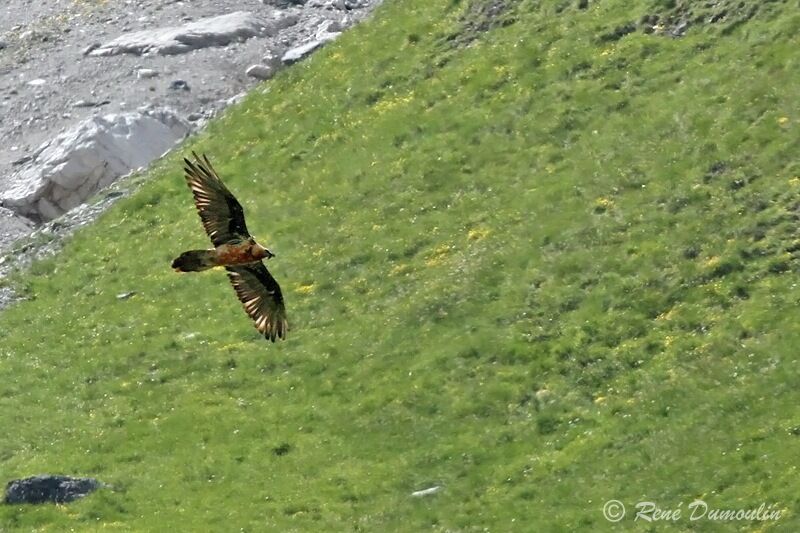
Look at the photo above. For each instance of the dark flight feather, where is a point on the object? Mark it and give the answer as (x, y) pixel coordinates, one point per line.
(221, 213)
(261, 298)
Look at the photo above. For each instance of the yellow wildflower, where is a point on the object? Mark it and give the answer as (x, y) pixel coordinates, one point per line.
(305, 289)
(478, 234)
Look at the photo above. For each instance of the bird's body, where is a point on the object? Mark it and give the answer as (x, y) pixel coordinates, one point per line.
(234, 249)
(223, 255)
(236, 254)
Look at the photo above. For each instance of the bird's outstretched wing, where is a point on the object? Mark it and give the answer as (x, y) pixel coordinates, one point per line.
(221, 213)
(261, 297)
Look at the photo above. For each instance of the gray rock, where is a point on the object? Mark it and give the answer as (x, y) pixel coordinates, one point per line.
(235, 99)
(22, 160)
(680, 29)
(260, 72)
(214, 31)
(146, 73)
(283, 3)
(179, 85)
(90, 103)
(12, 227)
(330, 29)
(49, 489)
(301, 52)
(341, 5)
(7, 297)
(286, 20)
(272, 59)
(426, 492)
(78, 163)
(89, 49)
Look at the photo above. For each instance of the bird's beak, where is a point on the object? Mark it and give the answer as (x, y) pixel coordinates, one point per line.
(265, 253)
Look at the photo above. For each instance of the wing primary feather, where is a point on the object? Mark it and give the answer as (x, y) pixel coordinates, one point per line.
(261, 298)
(220, 212)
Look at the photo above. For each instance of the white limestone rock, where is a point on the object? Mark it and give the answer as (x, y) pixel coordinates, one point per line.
(212, 31)
(146, 73)
(301, 52)
(76, 164)
(260, 72)
(426, 492)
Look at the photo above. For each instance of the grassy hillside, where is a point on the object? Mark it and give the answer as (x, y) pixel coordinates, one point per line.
(541, 256)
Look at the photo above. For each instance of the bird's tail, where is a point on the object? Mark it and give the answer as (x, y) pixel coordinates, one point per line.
(194, 260)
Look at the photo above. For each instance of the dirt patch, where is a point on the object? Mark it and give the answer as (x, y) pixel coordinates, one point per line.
(480, 17)
(677, 17)
(672, 18)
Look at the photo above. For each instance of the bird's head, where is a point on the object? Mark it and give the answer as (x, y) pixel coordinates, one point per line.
(259, 252)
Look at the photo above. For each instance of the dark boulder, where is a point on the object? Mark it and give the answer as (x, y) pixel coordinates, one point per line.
(49, 489)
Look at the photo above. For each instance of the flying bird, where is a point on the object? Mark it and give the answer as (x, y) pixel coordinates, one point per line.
(234, 248)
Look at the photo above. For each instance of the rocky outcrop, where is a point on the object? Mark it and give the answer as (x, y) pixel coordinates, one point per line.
(326, 32)
(76, 164)
(212, 31)
(12, 227)
(300, 52)
(49, 489)
(260, 72)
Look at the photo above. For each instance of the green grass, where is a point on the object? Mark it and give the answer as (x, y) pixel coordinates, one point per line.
(541, 268)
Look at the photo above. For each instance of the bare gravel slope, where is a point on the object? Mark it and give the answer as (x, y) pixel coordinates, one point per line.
(48, 82)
